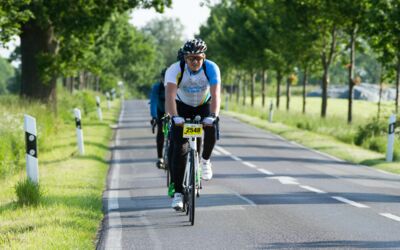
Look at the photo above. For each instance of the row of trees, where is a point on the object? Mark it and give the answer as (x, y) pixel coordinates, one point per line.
(292, 36)
(86, 42)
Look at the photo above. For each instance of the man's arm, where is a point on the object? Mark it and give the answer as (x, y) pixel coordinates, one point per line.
(215, 91)
(170, 95)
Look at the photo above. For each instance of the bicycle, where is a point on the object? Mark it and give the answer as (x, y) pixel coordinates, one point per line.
(166, 120)
(192, 130)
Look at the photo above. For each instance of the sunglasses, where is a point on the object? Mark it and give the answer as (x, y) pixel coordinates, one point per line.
(194, 58)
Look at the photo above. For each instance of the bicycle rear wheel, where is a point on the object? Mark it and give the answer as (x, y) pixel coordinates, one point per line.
(192, 188)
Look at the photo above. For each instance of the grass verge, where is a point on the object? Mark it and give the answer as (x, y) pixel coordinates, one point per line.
(322, 143)
(70, 210)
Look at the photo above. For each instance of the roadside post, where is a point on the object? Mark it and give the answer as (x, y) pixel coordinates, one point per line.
(271, 111)
(112, 94)
(99, 114)
(79, 132)
(389, 151)
(226, 102)
(121, 90)
(108, 100)
(32, 168)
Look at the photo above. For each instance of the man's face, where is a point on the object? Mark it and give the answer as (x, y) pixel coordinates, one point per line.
(195, 61)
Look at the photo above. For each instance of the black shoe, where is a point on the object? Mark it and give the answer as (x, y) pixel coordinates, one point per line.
(160, 164)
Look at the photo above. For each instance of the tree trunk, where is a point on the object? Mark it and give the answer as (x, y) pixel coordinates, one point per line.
(305, 82)
(397, 82)
(288, 84)
(278, 87)
(244, 90)
(253, 84)
(239, 88)
(380, 92)
(351, 73)
(81, 80)
(327, 58)
(38, 46)
(325, 83)
(72, 84)
(263, 90)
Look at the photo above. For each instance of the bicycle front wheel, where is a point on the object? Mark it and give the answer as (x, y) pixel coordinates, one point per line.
(166, 161)
(192, 188)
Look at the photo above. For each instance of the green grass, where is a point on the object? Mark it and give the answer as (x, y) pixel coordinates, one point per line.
(331, 135)
(70, 210)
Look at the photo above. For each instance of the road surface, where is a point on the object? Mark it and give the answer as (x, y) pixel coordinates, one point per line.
(267, 193)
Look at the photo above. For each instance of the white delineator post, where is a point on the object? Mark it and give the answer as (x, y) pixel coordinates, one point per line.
(79, 132)
(32, 162)
(271, 112)
(100, 115)
(121, 90)
(389, 150)
(108, 100)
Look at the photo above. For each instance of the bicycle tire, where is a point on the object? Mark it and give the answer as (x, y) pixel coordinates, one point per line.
(192, 188)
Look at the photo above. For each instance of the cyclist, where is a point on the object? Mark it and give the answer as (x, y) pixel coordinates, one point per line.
(193, 88)
(157, 111)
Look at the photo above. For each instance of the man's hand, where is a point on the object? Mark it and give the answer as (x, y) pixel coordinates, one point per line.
(209, 120)
(178, 120)
(153, 121)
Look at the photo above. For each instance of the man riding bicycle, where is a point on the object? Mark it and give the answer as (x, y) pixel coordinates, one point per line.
(157, 111)
(193, 88)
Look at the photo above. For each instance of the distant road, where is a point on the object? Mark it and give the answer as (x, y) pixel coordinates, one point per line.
(267, 193)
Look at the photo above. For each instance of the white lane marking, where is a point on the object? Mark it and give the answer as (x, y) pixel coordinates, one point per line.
(225, 152)
(113, 235)
(350, 202)
(312, 189)
(216, 152)
(287, 180)
(391, 216)
(221, 208)
(264, 171)
(114, 230)
(249, 164)
(235, 158)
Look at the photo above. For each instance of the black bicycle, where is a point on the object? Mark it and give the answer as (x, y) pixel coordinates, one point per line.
(192, 130)
(166, 121)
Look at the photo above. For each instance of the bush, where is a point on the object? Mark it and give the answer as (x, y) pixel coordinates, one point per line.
(377, 144)
(28, 193)
(374, 128)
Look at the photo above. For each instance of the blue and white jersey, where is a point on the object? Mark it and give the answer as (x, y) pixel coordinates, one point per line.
(194, 89)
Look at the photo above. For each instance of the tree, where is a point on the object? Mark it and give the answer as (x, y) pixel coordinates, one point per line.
(53, 24)
(384, 32)
(353, 15)
(6, 72)
(168, 38)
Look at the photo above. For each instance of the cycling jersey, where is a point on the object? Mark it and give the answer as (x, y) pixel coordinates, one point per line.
(194, 88)
(157, 100)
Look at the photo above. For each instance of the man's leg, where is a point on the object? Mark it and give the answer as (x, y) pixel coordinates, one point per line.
(179, 157)
(160, 143)
(210, 138)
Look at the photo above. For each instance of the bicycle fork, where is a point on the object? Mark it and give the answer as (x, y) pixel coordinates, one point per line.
(186, 183)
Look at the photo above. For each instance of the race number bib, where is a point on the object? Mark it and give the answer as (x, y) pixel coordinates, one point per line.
(192, 130)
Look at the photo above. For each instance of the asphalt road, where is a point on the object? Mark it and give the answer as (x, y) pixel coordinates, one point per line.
(267, 193)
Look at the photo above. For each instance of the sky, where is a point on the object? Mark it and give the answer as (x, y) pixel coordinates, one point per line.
(190, 12)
